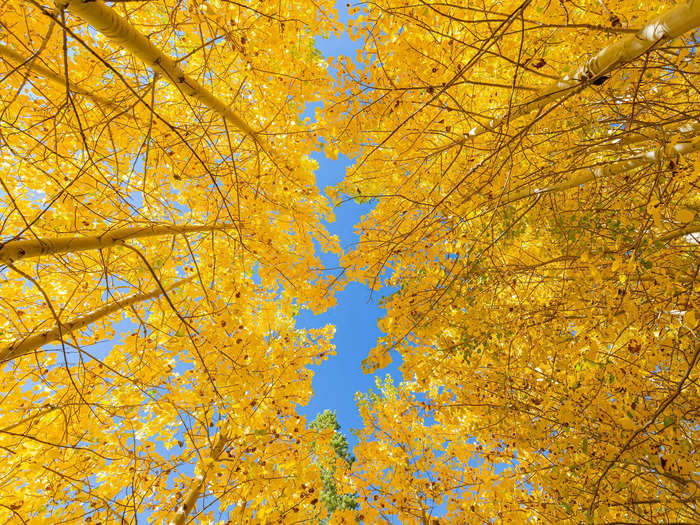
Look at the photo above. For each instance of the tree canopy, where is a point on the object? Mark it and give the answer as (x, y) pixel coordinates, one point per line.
(533, 174)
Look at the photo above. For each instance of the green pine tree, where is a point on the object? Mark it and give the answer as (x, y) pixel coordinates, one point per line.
(329, 491)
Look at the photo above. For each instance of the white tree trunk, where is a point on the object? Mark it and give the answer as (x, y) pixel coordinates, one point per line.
(24, 249)
(28, 344)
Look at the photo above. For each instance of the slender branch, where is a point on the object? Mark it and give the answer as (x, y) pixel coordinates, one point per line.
(663, 406)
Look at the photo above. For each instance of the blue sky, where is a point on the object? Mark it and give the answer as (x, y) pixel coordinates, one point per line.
(355, 317)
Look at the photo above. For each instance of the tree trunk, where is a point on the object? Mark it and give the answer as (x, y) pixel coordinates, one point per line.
(13, 251)
(108, 22)
(668, 25)
(28, 344)
(610, 170)
(199, 483)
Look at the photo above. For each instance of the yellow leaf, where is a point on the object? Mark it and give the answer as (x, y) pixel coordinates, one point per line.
(685, 215)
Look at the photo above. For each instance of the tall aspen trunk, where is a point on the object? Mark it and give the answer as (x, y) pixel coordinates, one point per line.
(108, 22)
(690, 230)
(610, 170)
(636, 137)
(668, 25)
(24, 249)
(28, 344)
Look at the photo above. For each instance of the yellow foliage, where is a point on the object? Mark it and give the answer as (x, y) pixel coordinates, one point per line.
(531, 167)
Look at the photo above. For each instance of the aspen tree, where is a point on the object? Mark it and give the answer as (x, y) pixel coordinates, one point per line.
(108, 22)
(12, 251)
